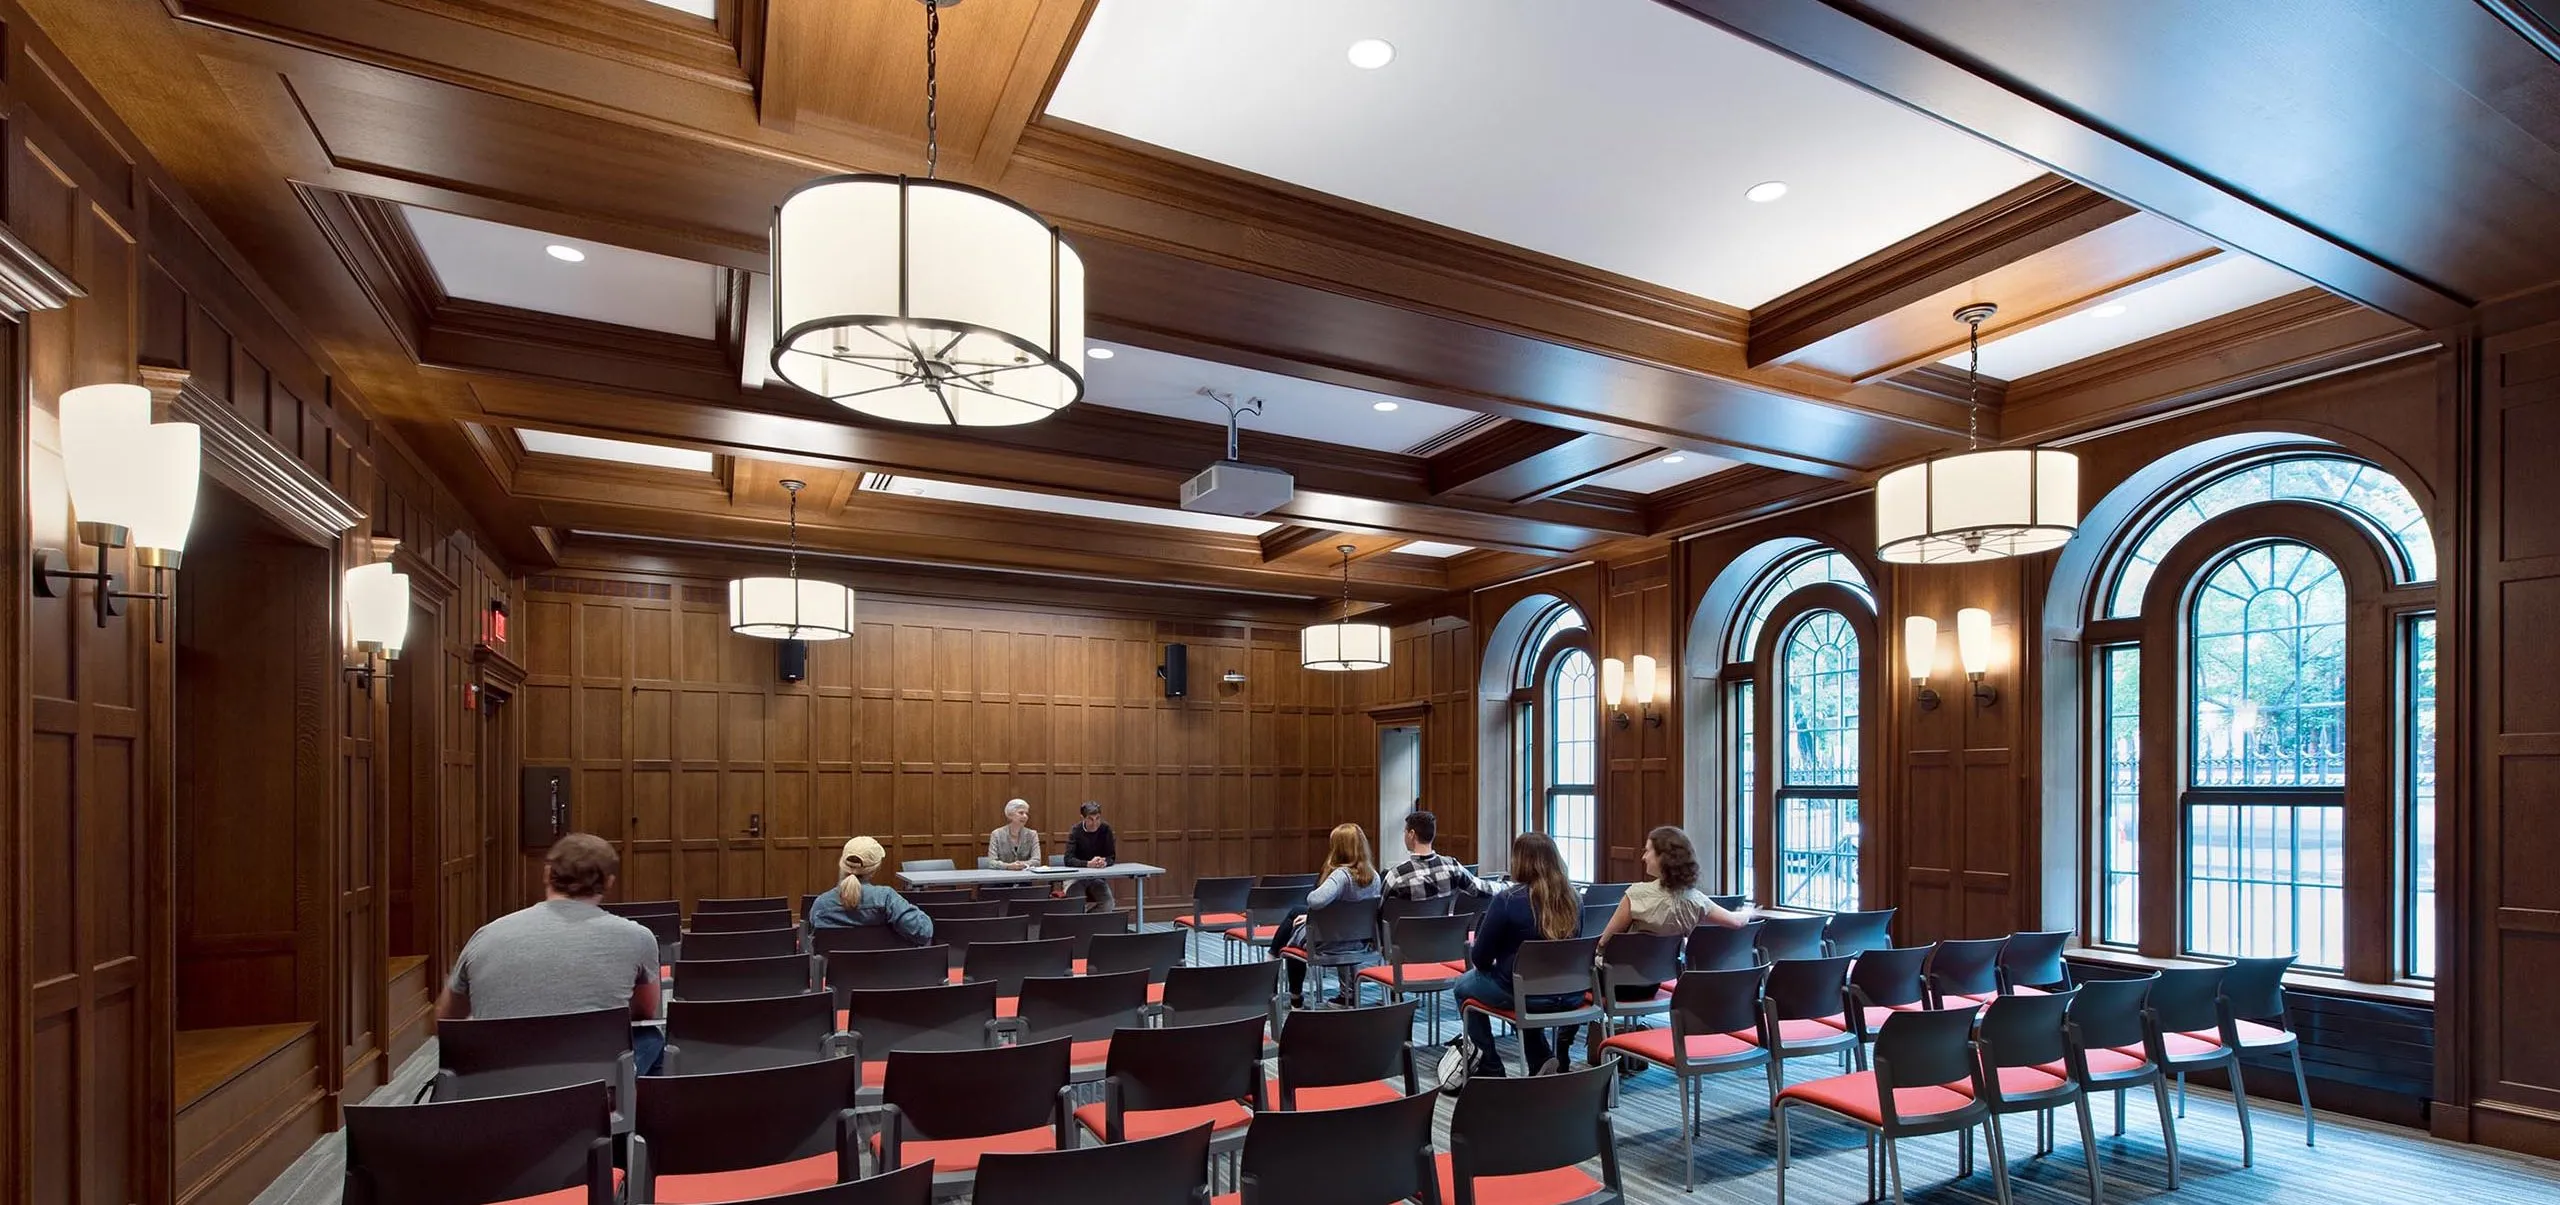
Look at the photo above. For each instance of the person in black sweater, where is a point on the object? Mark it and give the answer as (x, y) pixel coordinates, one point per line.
(1090, 843)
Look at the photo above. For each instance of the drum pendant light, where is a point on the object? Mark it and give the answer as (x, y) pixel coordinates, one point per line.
(791, 608)
(925, 301)
(1342, 644)
(1979, 504)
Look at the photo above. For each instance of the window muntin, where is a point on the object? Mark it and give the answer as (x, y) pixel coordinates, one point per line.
(2119, 794)
(1573, 757)
(2267, 661)
(1817, 795)
(2418, 789)
(1815, 569)
(2266, 879)
(1745, 783)
(2372, 495)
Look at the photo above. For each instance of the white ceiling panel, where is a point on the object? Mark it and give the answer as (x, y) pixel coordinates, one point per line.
(588, 447)
(1614, 133)
(1161, 383)
(1663, 472)
(2227, 282)
(1052, 504)
(1432, 548)
(512, 266)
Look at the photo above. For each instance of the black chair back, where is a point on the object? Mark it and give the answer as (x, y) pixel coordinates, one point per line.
(905, 1186)
(2107, 1013)
(742, 978)
(757, 903)
(1365, 1153)
(905, 966)
(1805, 989)
(494, 1148)
(1168, 1169)
(922, 896)
(1343, 921)
(1923, 1049)
(1415, 939)
(739, 922)
(1205, 995)
(1552, 968)
(1326, 1047)
(943, 1094)
(707, 1036)
(952, 1017)
(1041, 910)
(1595, 919)
(1302, 883)
(1711, 1002)
(635, 909)
(1184, 1067)
(964, 910)
(2255, 987)
(1392, 910)
(1468, 904)
(928, 864)
(503, 1056)
(1013, 893)
(1083, 1008)
(1606, 895)
(1156, 952)
(961, 933)
(696, 1124)
(1266, 904)
(2025, 1031)
(1082, 927)
(1886, 978)
(857, 937)
(664, 926)
(1006, 963)
(1730, 903)
(1223, 894)
(1791, 937)
(1514, 1126)
(1646, 960)
(1716, 948)
(1968, 968)
(1857, 932)
(2034, 959)
(2187, 999)
(754, 943)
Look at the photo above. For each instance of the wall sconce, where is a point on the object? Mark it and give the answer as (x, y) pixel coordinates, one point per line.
(1651, 682)
(132, 482)
(1613, 690)
(1919, 653)
(1973, 648)
(377, 602)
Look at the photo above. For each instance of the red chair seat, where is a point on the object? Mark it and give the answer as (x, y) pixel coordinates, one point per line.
(568, 1196)
(1075, 966)
(1293, 952)
(1977, 999)
(666, 970)
(2028, 991)
(1155, 993)
(1807, 1031)
(1089, 1054)
(1553, 1187)
(1212, 920)
(2190, 1045)
(2104, 1062)
(1336, 1096)
(1457, 964)
(1257, 933)
(746, 1184)
(1653, 1045)
(1008, 1006)
(1419, 976)
(2029, 1081)
(958, 975)
(1153, 1123)
(961, 1154)
(1854, 1096)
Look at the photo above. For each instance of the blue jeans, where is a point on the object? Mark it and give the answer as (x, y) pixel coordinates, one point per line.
(1485, 989)
(647, 1042)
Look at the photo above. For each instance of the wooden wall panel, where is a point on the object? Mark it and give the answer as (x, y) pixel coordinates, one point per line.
(1962, 823)
(1640, 763)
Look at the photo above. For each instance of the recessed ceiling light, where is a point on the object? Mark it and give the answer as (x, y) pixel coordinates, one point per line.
(2109, 310)
(1674, 458)
(1369, 54)
(1382, 407)
(1765, 191)
(1099, 353)
(565, 253)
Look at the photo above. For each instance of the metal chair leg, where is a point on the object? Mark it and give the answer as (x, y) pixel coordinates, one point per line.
(2119, 1094)
(1688, 1114)
(1998, 1152)
(1893, 1164)
(2168, 1127)
(2182, 1096)
(1964, 1152)
(1778, 1112)
(2240, 1104)
(2089, 1149)
(2302, 1092)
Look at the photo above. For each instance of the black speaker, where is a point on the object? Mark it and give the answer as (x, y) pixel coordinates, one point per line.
(1176, 671)
(795, 660)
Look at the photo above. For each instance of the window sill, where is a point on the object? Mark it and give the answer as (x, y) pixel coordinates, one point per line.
(2304, 981)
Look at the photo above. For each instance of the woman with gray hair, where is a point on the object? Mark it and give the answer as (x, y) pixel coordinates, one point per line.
(1016, 846)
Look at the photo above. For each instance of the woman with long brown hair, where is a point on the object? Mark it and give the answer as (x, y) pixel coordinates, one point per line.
(1540, 904)
(1349, 874)
(1668, 901)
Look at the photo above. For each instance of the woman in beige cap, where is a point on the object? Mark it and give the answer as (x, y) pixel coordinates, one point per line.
(855, 902)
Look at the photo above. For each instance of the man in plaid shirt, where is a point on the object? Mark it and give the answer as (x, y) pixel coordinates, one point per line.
(1427, 875)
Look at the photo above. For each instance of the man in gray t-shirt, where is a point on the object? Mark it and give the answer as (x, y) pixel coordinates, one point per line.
(563, 955)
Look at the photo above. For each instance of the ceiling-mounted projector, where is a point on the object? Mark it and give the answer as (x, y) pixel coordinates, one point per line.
(1232, 487)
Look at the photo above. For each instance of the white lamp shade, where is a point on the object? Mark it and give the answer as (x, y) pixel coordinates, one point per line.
(167, 468)
(377, 601)
(100, 426)
(1344, 646)
(1613, 682)
(1978, 506)
(790, 608)
(1645, 684)
(925, 301)
(1919, 646)
(1973, 640)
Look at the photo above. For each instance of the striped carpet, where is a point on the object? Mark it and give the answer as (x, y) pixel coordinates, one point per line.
(2356, 1163)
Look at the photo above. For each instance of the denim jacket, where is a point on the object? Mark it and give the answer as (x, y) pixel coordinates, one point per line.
(878, 906)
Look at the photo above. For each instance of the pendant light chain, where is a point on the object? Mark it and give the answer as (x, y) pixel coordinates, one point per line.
(932, 110)
(793, 488)
(1973, 383)
(1346, 551)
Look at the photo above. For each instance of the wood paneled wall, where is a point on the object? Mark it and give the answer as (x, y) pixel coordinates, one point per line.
(1641, 771)
(717, 779)
(1963, 828)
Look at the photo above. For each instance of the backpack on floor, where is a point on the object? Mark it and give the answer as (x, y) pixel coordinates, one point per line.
(1455, 1064)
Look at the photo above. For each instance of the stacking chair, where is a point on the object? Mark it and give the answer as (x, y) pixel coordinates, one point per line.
(2262, 1023)
(2025, 1067)
(1169, 1169)
(1084, 1010)
(1604, 895)
(635, 909)
(667, 928)
(1790, 937)
(503, 1056)
(1469, 904)
(927, 864)
(1730, 903)
(2183, 1030)
(827, 941)
(1361, 1153)
(1422, 956)
(1392, 910)
(939, 895)
(1082, 927)
(1156, 953)
(1013, 894)
(951, 1107)
(760, 903)
(1548, 969)
(753, 943)
(745, 1134)
(1857, 932)
(1206, 995)
(705, 1036)
(2031, 962)
(1804, 1007)
(1595, 919)
(1715, 1020)
(1965, 972)
(2104, 1026)
(1533, 1132)
(1304, 883)
(879, 1022)
(1331, 1058)
(1043, 909)
(959, 934)
(906, 966)
(1264, 908)
(964, 910)
(1628, 981)
(1344, 920)
(738, 922)
(1716, 948)
(550, 1143)
(1887, 981)
(1160, 1081)
(1006, 963)
(1217, 904)
(742, 978)
(1926, 1080)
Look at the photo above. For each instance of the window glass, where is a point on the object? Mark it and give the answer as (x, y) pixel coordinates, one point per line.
(2120, 794)
(2419, 756)
(1818, 764)
(1823, 566)
(1573, 718)
(1745, 782)
(2269, 671)
(2370, 494)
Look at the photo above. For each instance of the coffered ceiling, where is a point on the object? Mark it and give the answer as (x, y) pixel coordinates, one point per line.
(1527, 233)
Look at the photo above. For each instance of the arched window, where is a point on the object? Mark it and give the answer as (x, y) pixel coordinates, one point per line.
(2282, 610)
(1556, 734)
(1818, 773)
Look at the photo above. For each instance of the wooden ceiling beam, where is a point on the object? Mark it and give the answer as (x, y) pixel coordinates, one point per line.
(1525, 462)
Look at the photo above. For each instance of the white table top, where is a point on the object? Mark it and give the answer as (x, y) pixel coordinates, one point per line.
(1055, 874)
